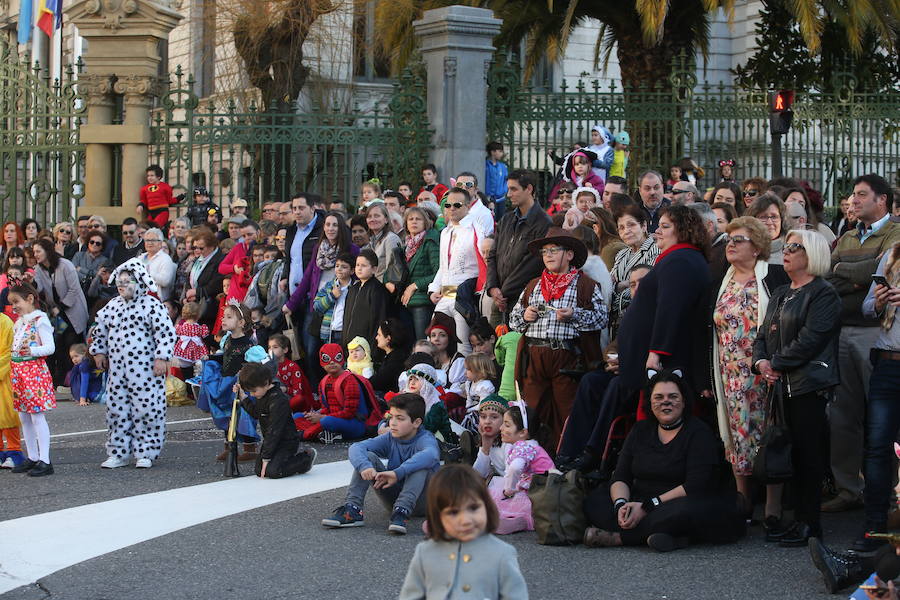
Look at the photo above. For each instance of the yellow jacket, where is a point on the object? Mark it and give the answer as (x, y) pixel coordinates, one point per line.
(8, 417)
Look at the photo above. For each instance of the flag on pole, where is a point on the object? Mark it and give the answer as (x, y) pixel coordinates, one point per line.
(25, 21)
(49, 16)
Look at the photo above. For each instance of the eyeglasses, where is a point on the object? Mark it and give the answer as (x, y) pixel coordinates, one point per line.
(66, 231)
(146, 240)
(129, 232)
(793, 247)
(466, 184)
(96, 226)
(737, 239)
(750, 192)
(95, 243)
(676, 192)
(550, 251)
(454, 205)
(197, 247)
(770, 218)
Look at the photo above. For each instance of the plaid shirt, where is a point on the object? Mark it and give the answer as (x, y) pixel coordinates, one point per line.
(547, 327)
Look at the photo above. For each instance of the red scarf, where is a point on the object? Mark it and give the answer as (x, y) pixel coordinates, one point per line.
(553, 285)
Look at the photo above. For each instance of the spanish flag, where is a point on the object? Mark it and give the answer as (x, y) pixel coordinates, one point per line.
(49, 16)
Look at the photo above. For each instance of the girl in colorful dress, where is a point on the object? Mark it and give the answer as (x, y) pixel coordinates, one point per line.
(32, 384)
(524, 458)
(190, 347)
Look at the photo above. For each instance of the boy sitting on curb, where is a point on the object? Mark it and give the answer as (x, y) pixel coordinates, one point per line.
(412, 457)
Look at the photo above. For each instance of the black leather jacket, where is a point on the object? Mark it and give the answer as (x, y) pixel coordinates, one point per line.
(800, 338)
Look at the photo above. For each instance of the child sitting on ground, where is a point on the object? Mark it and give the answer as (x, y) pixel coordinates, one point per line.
(412, 457)
(190, 347)
(295, 383)
(422, 379)
(360, 359)
(343, 409)
(85, 379)
(485, 448)
(479, 373)
(461, 519)
(524, 458)
(281, 454)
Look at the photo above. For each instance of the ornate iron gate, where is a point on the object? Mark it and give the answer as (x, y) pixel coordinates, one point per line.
(41, 159)
(265, 156)
(835, 136)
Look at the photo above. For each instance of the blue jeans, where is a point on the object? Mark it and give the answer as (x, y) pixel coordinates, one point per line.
(882, 423)
(408, 494)
(421, 316)
(351, 429)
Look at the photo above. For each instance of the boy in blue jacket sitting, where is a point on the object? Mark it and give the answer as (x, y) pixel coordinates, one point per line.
(412, 457)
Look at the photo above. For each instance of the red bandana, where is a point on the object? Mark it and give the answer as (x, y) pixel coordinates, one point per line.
(553, 285)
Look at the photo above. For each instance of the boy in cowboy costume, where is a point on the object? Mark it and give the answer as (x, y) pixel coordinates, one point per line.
(560, 315)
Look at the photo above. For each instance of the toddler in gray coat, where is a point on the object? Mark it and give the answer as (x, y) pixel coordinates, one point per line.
(461, 558)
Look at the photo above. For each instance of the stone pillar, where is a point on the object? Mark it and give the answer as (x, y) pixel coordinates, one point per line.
(457, 45)
(98, 94)
(123, 38)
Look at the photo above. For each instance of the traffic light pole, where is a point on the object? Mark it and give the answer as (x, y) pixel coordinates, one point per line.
(777, 160)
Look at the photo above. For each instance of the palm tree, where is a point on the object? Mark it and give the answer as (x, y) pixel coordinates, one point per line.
(646, 34)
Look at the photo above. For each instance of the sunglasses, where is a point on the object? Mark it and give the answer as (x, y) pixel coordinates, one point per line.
(677, 192)
(737, 239)
(466, 184)
(793, 247)
(66, 231)
(750, 193)
(454, 205)
(197, 247)
(93, 243)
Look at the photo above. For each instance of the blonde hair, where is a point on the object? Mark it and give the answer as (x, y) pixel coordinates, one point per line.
(372, 186)
(818, 255)
(481, 365)
(190, 310)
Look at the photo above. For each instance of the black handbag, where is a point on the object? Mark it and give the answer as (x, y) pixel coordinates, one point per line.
(773, 463)
(397, 271)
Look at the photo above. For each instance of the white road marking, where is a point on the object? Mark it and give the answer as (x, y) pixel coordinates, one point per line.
(62, 435)
(36, 546)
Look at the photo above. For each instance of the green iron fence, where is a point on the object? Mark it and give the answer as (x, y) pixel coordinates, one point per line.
(834, 137)
(41, 158)
(266, 156)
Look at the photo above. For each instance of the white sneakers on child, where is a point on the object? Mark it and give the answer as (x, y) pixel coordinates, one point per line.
(7, 464)
(143, 463)
(114, 462)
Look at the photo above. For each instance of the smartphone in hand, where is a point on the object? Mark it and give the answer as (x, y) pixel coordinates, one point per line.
(880, 280)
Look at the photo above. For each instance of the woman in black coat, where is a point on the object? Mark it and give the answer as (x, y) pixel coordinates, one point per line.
(393, 341)
(660, 328)
(796, 352)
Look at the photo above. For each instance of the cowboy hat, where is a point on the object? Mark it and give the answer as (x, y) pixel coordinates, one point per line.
(561, 237)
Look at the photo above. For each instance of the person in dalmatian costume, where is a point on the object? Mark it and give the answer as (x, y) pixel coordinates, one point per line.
(137, 335)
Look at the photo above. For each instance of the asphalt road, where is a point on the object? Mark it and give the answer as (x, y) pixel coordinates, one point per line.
(281, 550)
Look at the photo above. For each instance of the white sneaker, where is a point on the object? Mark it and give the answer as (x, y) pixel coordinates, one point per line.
(7, 464)
(143, 463)
(114, 463)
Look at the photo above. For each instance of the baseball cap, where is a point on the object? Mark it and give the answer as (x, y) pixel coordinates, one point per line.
(239, 202)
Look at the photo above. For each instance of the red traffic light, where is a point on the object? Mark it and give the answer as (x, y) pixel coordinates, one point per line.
(781, 100)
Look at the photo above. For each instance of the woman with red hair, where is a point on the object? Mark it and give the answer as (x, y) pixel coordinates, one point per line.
(12, 238)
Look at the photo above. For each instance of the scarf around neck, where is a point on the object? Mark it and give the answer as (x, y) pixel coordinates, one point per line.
(413, 243)
(553, 285)
(327, 255)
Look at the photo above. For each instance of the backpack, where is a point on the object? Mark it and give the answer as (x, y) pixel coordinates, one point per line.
(370, 410)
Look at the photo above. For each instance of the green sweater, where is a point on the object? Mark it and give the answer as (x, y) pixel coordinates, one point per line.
(423, 267)
(505, 353)
(852, 265)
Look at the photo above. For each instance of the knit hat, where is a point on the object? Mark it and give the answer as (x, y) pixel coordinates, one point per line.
(331, 353)
(494, 402)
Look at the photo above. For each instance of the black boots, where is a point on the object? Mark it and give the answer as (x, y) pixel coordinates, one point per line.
(838, 570)
(798, 535)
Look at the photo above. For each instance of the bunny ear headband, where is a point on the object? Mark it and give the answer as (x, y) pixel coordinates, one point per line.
(520, 402)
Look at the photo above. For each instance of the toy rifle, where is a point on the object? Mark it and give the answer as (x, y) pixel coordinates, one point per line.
(892, 538)
(231, 460)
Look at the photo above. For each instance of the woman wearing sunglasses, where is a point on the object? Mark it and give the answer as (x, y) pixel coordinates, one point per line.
(796, 355)
(740, 305)
(63, 239)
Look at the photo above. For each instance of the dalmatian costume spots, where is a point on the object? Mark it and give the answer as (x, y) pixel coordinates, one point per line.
(132, 331)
